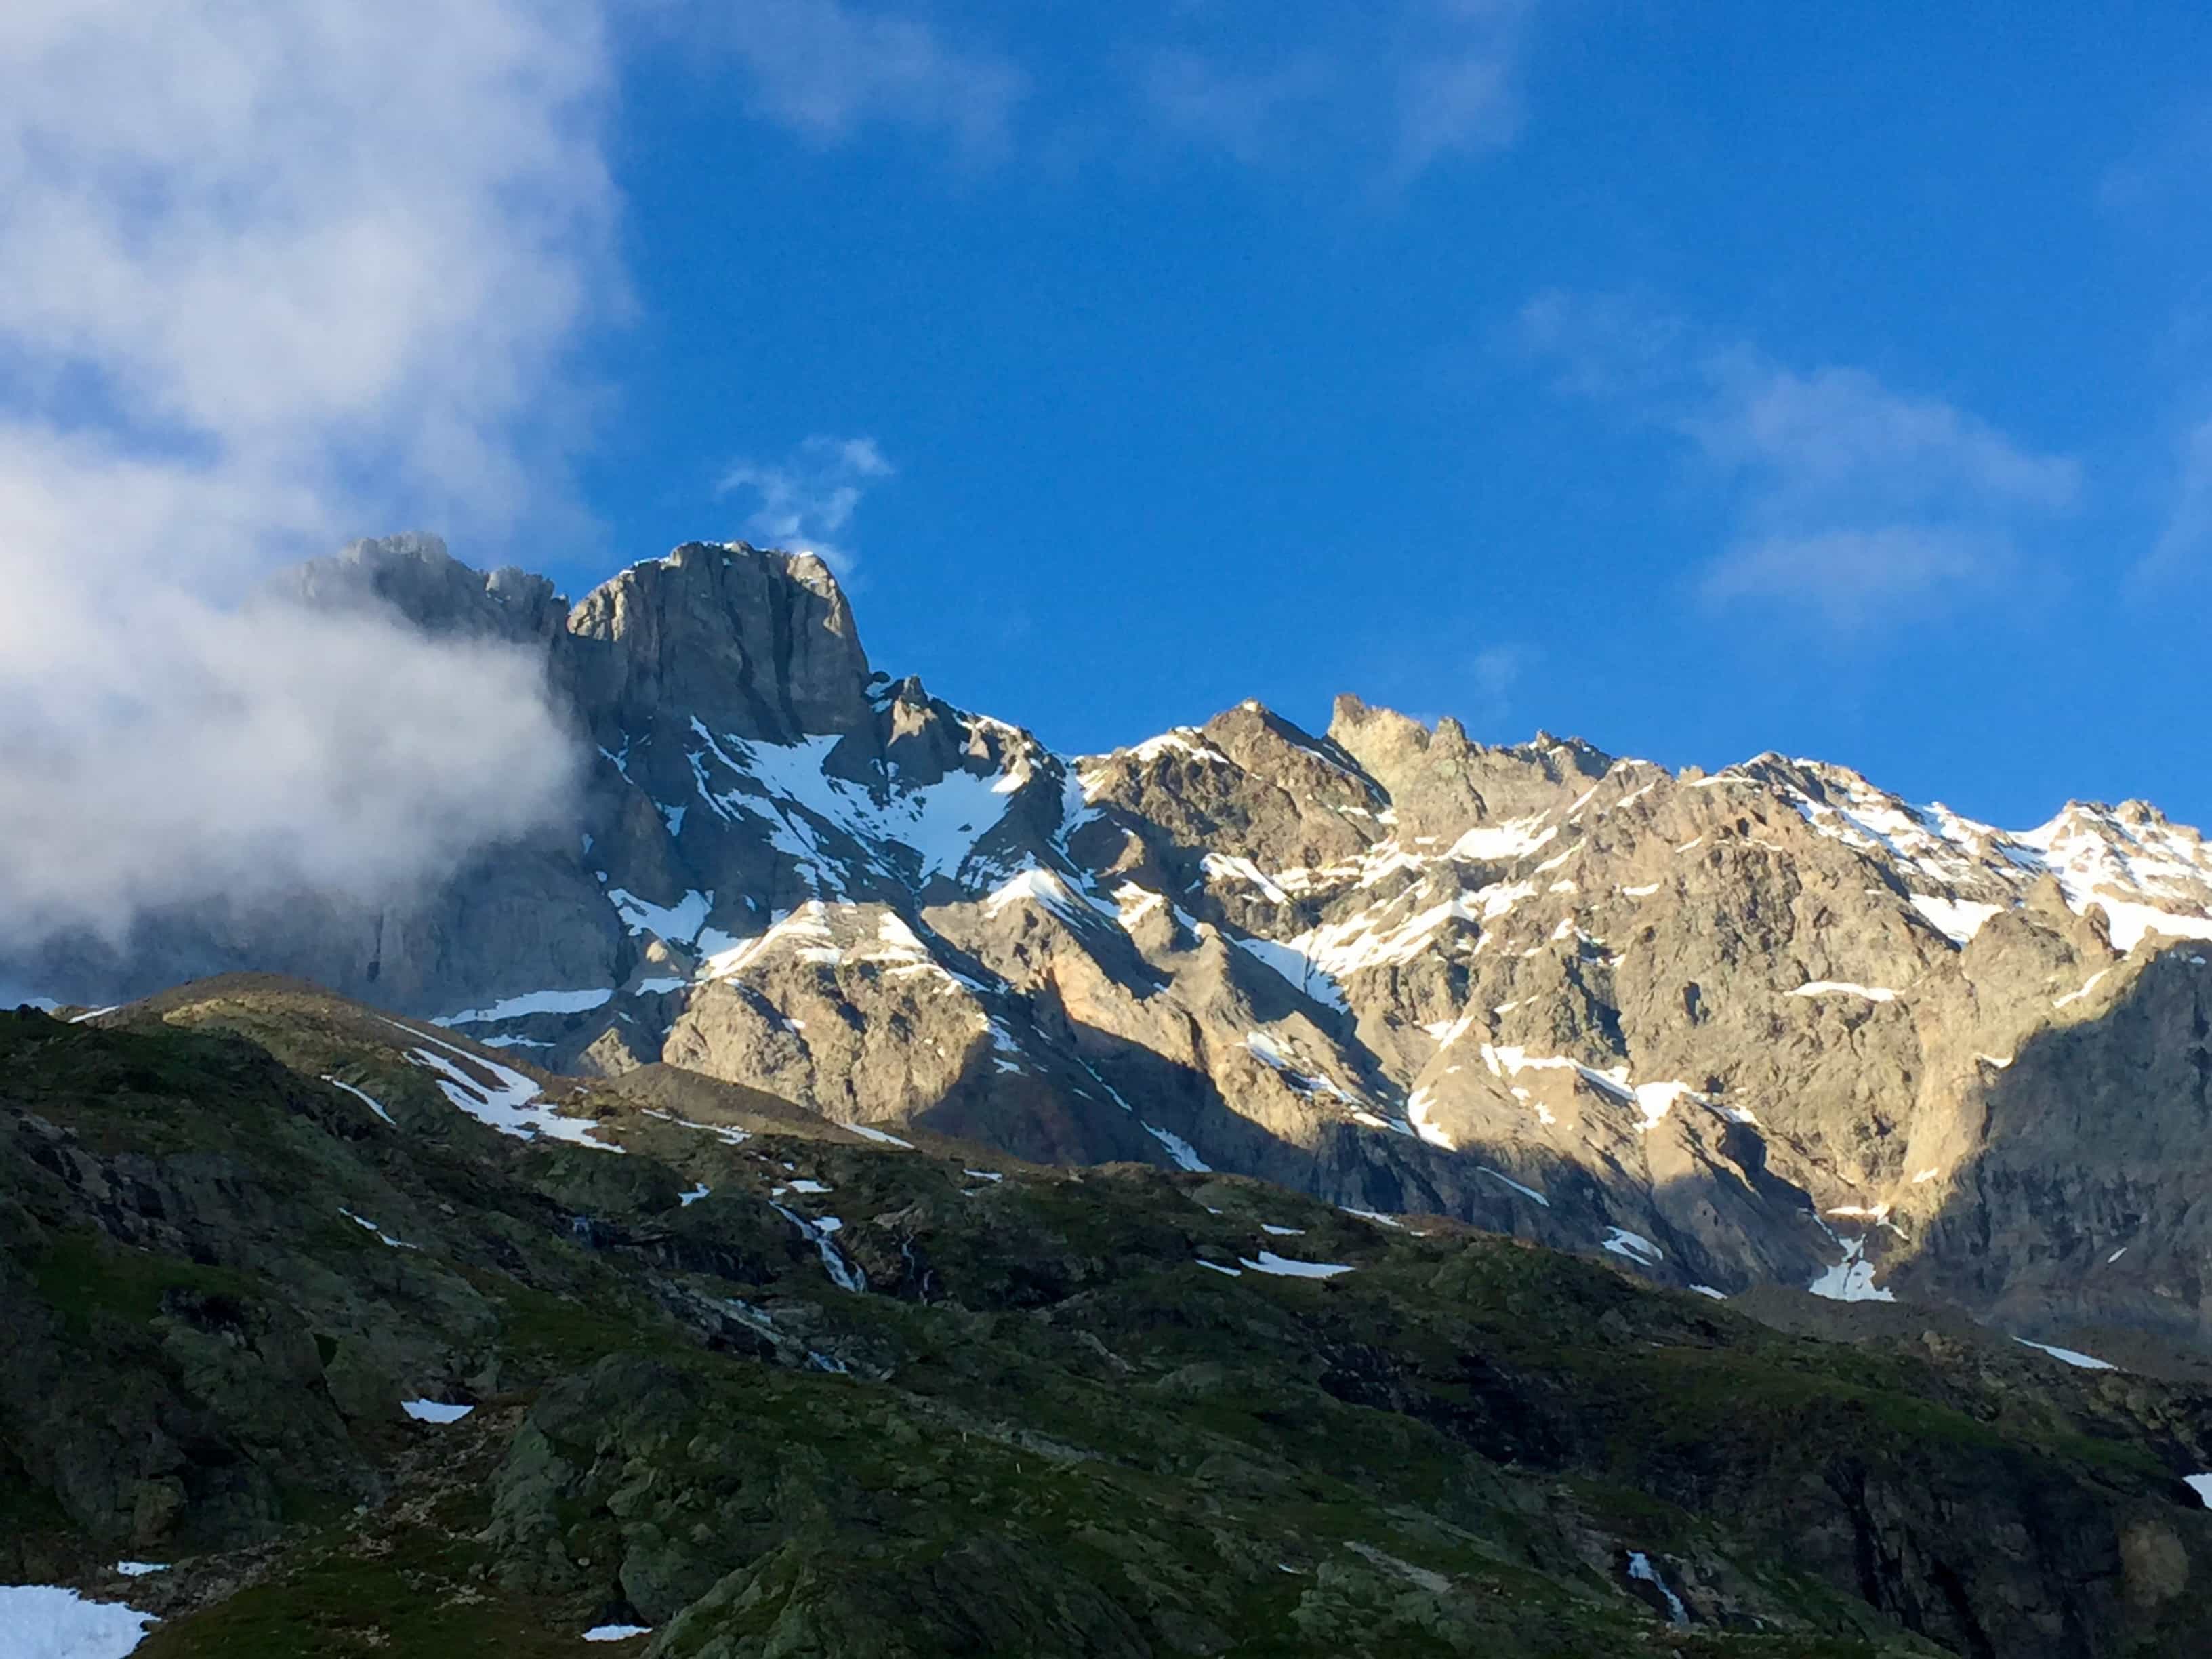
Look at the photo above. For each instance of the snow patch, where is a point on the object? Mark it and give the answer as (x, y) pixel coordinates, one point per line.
(933, 828)
(530, 1002)
(1824, 987)
(2069, 1356)
(805, 932)
(1655, 1100)
(1850, 1279)
(1525, 1192)
(1183, 740)
(869, 1132)
(1220, 866)
(373, 1105)
(1294, 965)
(1265, 1048)
(1417, 1113)
(1184, 1154)
(45, 1621)
(1044, 888)
(2076, 996)
(679, 923)
(1496, 843)
(1957, 919)
(1634, 1246)
(506, 1104)
(1284, 1267)
(1380, 935)
(383, 1237)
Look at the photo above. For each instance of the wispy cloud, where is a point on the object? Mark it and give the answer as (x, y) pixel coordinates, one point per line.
(1240, 110)
(1846, 495)
(806, 500)
(827, 70)
(1407, 86)
(1459, 93)
(2184, 546)
(1493, 673)
(255, 258)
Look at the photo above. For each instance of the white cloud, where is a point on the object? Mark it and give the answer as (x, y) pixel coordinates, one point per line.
(1402, 86)
(826, 70)
(1460, 91)
(2184, 546)
(807, 500)
(1860, 500)
(258, 256)
(1837, 438)
(1239, 111)
(1854, 577)
(1492, 674)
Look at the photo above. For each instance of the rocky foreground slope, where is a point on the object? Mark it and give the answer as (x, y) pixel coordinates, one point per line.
(1769, 1025)
(330, 1334)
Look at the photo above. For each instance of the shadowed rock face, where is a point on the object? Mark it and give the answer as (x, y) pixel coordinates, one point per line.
(1773, 1024)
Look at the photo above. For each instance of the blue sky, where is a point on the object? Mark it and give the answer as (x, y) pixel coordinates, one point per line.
(1696, 379)
(1702, 380)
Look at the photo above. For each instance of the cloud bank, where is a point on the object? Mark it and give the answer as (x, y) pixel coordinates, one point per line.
(258, 257)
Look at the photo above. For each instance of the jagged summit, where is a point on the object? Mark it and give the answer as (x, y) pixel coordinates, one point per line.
(1772, 1023)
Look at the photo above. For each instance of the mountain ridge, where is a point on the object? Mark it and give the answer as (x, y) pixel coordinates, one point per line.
(1770, 1024)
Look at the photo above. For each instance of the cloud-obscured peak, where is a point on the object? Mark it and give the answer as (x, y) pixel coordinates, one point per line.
(258, 256)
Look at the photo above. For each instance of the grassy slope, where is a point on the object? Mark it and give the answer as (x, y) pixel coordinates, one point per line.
(1045, 1429)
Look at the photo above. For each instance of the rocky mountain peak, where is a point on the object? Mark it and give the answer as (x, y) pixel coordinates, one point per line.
(757, 643)
(1440, 781)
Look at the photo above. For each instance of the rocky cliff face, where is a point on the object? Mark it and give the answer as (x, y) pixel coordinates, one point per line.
(1771, 1025)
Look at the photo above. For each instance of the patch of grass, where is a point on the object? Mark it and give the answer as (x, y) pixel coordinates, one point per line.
(417, 1595)
(82, 1274)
